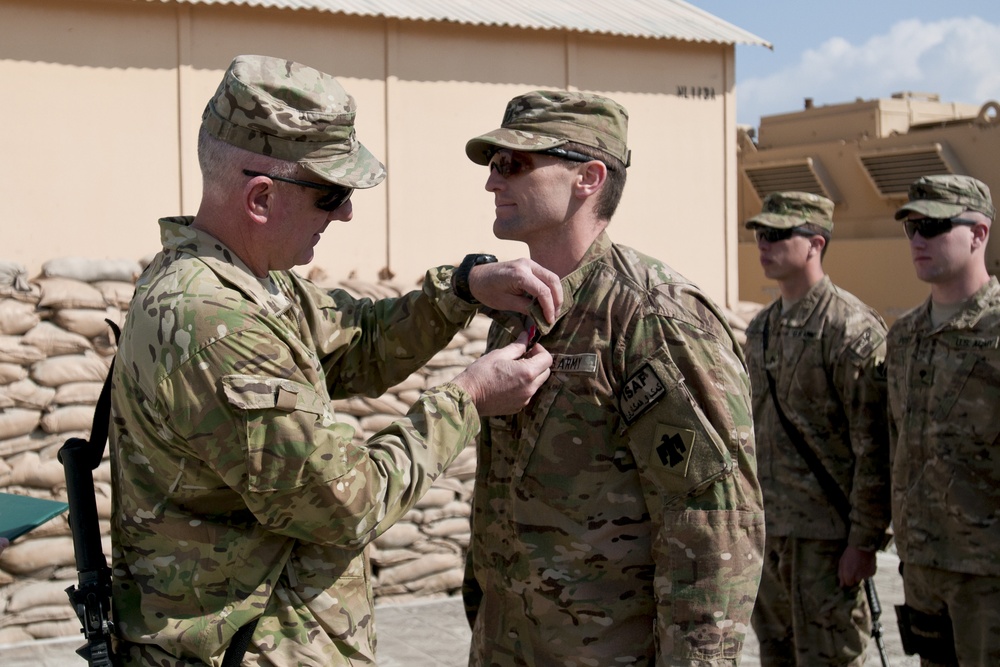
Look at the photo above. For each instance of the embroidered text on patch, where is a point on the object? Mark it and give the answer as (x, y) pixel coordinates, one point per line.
(640, 393)
(574, 363)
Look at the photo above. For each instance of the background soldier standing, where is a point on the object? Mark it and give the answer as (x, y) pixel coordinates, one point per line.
(944, 395)
(822, 349)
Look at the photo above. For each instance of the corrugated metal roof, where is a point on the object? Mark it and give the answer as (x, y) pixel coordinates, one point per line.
(655, 19)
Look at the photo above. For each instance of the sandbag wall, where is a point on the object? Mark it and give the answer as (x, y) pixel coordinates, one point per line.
(55, 349)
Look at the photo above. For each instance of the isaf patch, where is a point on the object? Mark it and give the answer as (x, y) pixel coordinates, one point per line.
(672, 448)
(640, 393)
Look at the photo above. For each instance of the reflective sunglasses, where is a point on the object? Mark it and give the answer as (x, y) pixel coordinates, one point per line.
(507, 164)
(772, 235)
(931, 227)
(335, 197)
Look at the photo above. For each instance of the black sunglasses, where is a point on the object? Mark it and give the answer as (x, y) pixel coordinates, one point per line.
(772, 235)
(508, 164)
(931, 227)
(335, 197)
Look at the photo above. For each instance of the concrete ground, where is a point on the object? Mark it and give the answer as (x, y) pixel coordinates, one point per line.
(435, 634)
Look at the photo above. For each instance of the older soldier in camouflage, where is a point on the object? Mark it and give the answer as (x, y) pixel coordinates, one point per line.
(617, 520)
(823, 350)
(944, 395)
(238, 495)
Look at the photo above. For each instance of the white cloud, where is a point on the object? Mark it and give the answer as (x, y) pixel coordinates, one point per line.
(956, 58)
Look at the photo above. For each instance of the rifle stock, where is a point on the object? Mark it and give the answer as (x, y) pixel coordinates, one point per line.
(91, 597)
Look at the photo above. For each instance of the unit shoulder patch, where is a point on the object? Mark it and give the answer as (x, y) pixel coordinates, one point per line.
(672, 448)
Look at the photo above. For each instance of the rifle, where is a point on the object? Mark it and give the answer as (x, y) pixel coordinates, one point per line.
(91, 598)
(876, 609)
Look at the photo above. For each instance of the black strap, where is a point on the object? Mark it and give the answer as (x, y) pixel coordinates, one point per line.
(238, 644)
(98, 439)
(833, 491)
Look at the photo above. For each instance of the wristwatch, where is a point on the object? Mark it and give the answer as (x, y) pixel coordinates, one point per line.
(460, 279)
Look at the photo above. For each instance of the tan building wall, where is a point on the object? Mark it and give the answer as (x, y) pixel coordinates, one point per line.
(105, 97)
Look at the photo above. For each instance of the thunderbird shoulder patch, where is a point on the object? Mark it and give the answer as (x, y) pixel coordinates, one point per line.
(672, 448)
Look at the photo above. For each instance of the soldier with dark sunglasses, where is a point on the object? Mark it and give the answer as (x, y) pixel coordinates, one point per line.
(944, 397)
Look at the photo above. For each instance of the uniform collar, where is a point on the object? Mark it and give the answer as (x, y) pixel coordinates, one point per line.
(799, 314)
(572, 283)
(179, 237)
(969, 316)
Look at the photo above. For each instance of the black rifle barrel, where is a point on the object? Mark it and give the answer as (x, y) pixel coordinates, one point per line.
(876, 608)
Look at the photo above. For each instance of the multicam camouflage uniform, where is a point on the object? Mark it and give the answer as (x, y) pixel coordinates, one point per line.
(237, 494)
(825, 355)
(617, 520)
(944, 395)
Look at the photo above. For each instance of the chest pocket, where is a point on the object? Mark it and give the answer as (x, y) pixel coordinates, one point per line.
(564, 454)
(968, 400)
(285, 427)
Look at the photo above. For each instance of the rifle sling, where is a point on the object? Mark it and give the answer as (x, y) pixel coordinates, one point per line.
(830, 487)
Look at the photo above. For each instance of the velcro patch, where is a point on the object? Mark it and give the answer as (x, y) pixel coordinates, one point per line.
(575, 363)
(672, 448)
(864, 344)
(640, 393)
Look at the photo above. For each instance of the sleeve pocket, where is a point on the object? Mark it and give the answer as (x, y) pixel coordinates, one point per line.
(288, 431)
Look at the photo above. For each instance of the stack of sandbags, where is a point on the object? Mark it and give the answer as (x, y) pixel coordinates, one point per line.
(422, 555)
(55, 349)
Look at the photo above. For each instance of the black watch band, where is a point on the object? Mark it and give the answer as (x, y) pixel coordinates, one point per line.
(460, 279)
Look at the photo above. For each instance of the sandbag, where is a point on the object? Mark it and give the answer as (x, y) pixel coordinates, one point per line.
(23, 558)
(27, 394)
(68, 293)
(16, 317)
(78, 393)
(53, 340)
(13, 275)
(13, 350)
(55, 371)
(92, 270)
(88, 322)
(11, 372)
(68, 418)
(116, 292)
(18, 421)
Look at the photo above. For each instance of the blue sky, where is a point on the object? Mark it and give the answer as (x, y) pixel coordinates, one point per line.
(836, 51)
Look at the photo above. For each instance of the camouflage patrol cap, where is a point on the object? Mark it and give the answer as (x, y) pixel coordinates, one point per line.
(784, 210)
(544, 119)
(947, 196)
(285, 110)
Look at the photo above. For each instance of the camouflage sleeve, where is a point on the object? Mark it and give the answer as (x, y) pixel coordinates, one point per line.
(686, 404)
(859, 378)
(368, 346)
(271, 437)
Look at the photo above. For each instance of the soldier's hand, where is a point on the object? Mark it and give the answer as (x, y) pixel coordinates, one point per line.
(514, 285)
(502, 382)
(855, 566)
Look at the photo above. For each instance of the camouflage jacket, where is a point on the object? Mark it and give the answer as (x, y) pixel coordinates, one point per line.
(617, 520)
(236, 492)
(826, 355)
(944, 397)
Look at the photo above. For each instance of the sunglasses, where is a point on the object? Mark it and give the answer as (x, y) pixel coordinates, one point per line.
(931, 227)
(335, 197)
(507, 164)
(772, 235)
